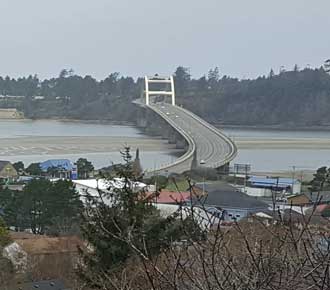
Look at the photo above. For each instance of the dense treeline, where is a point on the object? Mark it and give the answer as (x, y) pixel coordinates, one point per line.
(72, 96)
(296, 97)
(288, 98)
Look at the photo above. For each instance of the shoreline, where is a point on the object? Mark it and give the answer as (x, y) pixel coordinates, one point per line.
(273, 127)
(83, 121)
(53, 145)
(280, 127)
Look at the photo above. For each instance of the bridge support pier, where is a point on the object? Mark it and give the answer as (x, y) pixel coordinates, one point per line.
(223, 170)
(154, 125)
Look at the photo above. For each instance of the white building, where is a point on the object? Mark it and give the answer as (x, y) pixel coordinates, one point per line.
(95, 187)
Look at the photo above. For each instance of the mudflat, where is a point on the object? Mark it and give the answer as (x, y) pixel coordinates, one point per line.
(282, 143)
(32, 145)
(72, 145)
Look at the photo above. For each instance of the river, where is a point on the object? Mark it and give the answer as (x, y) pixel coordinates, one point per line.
(266, 150)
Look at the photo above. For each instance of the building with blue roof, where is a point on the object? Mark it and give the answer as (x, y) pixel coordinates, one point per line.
(289, 185)
(62, 168)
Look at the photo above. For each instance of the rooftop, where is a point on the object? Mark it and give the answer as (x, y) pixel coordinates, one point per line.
(273, 182)
(170, 197)
(3, 164)
(105, 184)
(65, 164)
(224, 195)
(293, 216)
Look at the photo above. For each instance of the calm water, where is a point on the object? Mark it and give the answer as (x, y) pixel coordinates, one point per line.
(281, 159)
(22, 128)
(275, 133)
(48, 128)
(261, 159)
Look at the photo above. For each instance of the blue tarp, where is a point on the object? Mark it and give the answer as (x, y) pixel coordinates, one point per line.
(65, 164)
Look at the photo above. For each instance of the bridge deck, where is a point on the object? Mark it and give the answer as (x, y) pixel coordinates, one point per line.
(213, 147)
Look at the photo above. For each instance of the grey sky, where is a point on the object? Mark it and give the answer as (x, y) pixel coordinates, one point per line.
(244, 38)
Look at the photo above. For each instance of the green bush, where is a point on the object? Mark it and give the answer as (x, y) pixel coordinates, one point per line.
(4, 234)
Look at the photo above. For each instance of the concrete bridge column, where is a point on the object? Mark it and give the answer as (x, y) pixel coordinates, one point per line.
(141, 118)
(224, 169)
(172, 137)
(180, 142)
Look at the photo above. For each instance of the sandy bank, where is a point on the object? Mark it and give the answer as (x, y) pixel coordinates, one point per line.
(76, 145)
(283, 143)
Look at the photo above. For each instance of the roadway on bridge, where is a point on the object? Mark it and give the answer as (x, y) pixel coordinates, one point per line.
(212, 147)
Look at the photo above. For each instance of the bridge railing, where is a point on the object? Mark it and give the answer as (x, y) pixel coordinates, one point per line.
(184, 162)
(233, 151)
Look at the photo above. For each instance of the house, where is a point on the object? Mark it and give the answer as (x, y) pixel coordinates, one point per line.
(322, 197)
(10, 113)
(306, 199)
(298, 200)
(7, 171)
(93, 187)
(169, 197)
(225, 201)
(278, 184)
(61, 168)
(291, 216)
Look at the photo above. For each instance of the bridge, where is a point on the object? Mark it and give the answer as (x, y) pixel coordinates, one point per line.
(206, 145)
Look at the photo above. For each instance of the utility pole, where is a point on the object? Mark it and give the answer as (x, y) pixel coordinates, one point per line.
(202, 162)
(293, 177)
(274, 195)
(247, 168)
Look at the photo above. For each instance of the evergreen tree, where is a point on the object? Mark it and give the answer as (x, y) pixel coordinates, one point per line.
(182, 78)
(130, 226)
(34, 169)
(43, 207)
(271, 74)
(4, 235)
(19, 166)
(321, 180)
(84, 167)
(213, 76)
(66, 208)
(136, 166)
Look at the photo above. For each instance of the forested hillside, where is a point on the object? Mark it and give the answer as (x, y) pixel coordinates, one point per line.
(72, 96)
(290, 98)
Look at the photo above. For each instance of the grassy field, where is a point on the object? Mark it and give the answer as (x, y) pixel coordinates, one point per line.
(178, 185)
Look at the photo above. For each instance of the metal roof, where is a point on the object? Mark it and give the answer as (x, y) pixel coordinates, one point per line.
(268, 181)
(3, 164)
(225, 196)
(65, 164)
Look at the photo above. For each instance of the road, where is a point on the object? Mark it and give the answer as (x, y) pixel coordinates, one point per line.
(212, 147)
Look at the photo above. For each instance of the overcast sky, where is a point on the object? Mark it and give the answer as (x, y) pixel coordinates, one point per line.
(244, 38)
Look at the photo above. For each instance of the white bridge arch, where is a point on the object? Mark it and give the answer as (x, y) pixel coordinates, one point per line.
(159, 80)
